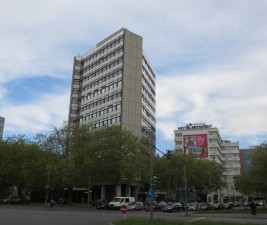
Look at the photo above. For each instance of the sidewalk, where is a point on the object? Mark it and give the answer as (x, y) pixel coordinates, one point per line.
(231, 215)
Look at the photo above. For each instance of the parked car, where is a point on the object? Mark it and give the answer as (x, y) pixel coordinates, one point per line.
(206, 206)
(62, 201)
(172, 207)
(259, 202)
(96, 202)
(162, 203)
(246, 204)
(135, 206)
(236, 204)
(156, 207)
(14, 200)
(102, 205)
(117, 202)
(192, 206)
(228, 205)
(217, 205)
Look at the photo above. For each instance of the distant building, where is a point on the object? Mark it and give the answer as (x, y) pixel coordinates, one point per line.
(245, 158)
(205, 142)
(114, 84)
(2, 122)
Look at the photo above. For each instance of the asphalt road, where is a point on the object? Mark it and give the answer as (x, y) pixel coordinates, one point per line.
(78, 215)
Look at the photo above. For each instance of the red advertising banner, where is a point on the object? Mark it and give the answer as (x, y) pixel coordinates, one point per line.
(196, 145)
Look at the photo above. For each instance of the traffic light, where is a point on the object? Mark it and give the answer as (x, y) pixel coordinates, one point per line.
(169, 154)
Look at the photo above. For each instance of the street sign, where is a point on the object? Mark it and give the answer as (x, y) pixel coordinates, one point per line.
(150, 195)
(123, 209)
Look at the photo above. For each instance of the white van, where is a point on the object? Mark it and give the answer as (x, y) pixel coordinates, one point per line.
(117, 202)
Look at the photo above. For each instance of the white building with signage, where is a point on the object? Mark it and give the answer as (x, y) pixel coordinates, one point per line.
(204, 141)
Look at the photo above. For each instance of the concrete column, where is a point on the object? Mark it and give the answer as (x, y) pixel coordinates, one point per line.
(118, 190)
(128, 190)
(103, 192)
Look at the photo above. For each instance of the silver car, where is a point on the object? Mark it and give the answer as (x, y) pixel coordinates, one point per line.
(192, 206)
(135, 206)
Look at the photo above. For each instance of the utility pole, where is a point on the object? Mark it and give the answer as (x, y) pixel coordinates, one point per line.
(89, 184)
(47, 185)
(185, 189)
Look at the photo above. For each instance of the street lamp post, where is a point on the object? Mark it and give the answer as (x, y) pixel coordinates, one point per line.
(151, 172)
(185, 189)
(47, 185)
(89, 184)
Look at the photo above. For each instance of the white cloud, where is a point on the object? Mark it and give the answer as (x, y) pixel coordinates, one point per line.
(235, 98)
(46, 112)
(209, 57)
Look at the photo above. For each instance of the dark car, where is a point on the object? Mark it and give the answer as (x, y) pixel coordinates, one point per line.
(172, 207)
(13, 200)
(103, 205)
(62, 201)
(96, 202)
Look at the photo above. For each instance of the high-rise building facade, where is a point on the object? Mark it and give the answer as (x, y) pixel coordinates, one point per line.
(114, 84)
(2, 123)
(245, 158)
(204, 141)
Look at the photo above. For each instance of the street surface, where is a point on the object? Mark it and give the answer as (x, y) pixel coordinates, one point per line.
(81, 215)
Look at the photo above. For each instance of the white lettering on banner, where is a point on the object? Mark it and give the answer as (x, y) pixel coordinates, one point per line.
(195, 126)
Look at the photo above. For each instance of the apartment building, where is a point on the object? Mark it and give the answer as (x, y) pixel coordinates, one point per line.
(114, 84)
(205, 142)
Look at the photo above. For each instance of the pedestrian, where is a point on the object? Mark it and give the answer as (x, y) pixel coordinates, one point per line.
(253, 207)
(52, 204)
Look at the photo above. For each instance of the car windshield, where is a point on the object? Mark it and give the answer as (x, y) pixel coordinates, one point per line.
(116, 200)
(132, 203)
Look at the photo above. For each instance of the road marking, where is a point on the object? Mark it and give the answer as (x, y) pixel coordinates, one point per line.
(196, 219)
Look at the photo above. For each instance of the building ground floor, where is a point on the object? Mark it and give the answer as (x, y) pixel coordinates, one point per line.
(81, 195)
(108, 192)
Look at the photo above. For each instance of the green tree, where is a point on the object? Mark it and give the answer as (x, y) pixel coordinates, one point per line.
(120, 155)
(107, 155)
(170, 172)
(21, 164)
(204, 176)
(255, 179)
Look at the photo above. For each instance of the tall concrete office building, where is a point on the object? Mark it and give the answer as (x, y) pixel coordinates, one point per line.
(114, 84)
(2, 122)
(205, 142)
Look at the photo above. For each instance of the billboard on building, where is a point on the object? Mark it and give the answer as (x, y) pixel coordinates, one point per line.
(196, 144)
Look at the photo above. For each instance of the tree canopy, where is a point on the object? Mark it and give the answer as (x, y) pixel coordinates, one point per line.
(67, 156)
(254, 181)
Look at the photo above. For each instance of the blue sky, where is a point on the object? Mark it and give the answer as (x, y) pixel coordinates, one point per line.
(209, 57)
